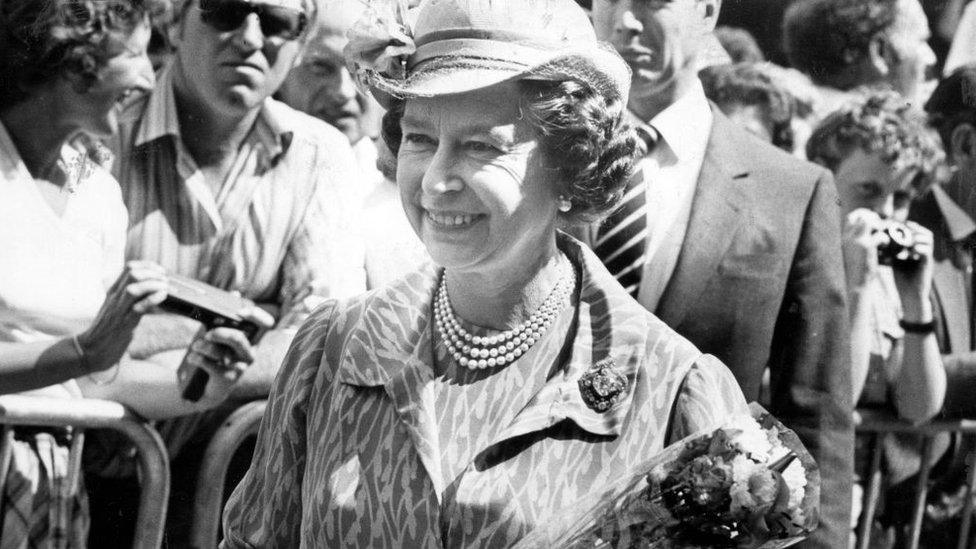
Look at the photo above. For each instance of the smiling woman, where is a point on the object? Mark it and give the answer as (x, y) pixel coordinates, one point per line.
(450, 408)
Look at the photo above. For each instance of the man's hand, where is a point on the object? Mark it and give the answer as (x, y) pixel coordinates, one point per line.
(225, 354)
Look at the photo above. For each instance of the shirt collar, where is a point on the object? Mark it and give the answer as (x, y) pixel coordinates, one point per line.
(685, 125)
(958, 222)
(160, 119)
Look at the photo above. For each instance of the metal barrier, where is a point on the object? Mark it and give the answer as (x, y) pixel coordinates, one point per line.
(208, 499)
(86, 413)
(880, 425)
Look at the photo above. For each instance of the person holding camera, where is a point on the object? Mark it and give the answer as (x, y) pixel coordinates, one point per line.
(881, 153)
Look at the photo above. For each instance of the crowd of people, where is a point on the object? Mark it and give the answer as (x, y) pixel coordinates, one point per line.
(444, 220)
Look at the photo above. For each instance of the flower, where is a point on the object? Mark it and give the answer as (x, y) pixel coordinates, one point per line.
(380, 43)
(751, 439)
(796, 480)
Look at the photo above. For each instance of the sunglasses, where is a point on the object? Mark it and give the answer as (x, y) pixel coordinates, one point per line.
(276, 21)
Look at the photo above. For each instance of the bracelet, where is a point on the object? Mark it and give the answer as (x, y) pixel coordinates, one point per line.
(86, 366)
(82, 359)
(917, 327)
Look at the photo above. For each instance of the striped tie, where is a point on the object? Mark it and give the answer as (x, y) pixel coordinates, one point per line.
(621, 239)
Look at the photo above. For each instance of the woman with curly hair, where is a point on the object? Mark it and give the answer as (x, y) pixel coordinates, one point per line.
(65, 65)
(475, 398)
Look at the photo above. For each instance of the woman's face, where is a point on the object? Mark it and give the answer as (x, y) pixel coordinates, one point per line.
(95, 111)
(473, 181)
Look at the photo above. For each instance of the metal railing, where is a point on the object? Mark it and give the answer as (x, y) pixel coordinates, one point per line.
(81, 414)
(208, 500)
(877, 426)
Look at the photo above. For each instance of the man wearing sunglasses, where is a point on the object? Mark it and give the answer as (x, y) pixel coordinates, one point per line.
(228, 186)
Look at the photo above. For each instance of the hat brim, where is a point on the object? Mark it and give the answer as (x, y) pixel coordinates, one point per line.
(455, 70)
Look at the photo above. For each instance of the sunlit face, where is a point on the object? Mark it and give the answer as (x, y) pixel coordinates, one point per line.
(321, 86)
(910, 73)
(95, 111)
(473, 182)
(233, 71)
(659, 39)
(865, 180)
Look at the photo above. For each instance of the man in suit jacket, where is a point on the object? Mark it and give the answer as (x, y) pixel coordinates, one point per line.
(949, 212)
(740, 245)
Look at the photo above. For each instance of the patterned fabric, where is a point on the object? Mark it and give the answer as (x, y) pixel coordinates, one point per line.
(43, 503)
(621, 240)
(354, 450)
(280, 229)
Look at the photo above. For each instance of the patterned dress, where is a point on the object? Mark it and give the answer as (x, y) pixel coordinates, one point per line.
(354, 450)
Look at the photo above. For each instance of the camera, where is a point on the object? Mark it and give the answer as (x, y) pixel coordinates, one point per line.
(899, 251)
(213, 308)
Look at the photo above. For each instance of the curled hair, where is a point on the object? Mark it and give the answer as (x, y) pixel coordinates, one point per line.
(823, 38)
(583, 138)
(41, 40)
(880, 122)
(749, 84)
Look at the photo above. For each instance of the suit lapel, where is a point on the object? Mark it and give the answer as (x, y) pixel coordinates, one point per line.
(715, 216)
(949, 286)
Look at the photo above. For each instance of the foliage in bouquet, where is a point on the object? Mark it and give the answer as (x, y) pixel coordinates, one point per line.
(747, 484)
(736, 488)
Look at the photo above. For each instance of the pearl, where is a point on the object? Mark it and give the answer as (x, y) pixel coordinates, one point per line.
(480, 352)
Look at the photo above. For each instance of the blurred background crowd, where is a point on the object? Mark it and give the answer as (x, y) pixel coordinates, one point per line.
(227, 141)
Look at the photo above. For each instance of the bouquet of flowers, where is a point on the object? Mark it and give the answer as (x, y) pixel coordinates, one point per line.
(747, 484)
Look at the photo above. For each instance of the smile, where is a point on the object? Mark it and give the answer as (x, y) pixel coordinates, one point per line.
(449, 219)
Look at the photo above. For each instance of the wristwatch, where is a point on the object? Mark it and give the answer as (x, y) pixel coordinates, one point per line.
(917, 327)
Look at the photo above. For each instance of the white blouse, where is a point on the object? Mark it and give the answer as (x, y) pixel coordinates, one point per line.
(55, 270)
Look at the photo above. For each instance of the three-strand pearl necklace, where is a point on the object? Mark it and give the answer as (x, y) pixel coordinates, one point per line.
(480, 352)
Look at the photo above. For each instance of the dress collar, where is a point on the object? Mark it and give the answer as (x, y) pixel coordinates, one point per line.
(610, 326)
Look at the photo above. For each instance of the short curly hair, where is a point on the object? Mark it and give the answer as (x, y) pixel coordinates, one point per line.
(583, 137)
(822, 38)
(750, 84)
(41, 40)
(880, 121)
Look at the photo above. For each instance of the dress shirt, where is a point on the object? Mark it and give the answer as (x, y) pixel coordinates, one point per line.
(671, 174)
(281, 228)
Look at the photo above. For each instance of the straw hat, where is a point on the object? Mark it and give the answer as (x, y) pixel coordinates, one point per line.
(455, 46)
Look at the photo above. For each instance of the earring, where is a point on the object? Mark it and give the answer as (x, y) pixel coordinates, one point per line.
(564, 204)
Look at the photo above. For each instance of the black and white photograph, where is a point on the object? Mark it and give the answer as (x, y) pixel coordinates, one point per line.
(528, 274)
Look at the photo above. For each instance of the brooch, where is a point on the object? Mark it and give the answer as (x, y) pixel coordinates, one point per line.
(602, 386)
